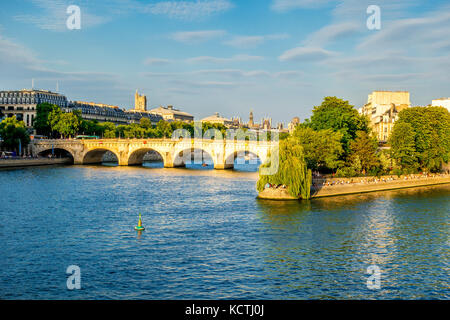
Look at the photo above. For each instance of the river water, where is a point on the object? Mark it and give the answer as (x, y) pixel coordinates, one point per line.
(207, 237)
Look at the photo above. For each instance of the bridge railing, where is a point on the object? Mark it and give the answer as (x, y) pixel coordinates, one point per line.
(209, 141)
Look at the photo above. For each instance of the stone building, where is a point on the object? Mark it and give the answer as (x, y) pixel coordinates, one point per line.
(140, 102)
(216, 118)
(294, 123)
(442, 102)
(382, 109)
(169, 113)
(251, 124)
(22, 103)
(108, 113)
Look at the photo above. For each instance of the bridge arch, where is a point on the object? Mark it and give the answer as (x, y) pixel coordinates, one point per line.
(193, 156)
(245, 156)
(136, 157)
(57, 152)
(96, 155)
(243, 160)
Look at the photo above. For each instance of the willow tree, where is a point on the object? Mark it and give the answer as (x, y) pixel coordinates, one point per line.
(292, 170)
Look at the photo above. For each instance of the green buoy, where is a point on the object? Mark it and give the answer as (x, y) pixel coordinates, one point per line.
(139, 227)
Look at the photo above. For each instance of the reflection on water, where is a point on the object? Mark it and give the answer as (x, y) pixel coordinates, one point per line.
(207, 236)
(326, 244)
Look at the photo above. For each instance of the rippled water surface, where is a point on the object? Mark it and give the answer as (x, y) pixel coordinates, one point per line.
(207, 237)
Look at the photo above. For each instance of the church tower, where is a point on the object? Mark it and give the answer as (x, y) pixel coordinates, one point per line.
(140, 102)
(250, 122)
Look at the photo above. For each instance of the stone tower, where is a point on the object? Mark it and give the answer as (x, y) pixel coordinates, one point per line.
(140, 102)
(250, 122)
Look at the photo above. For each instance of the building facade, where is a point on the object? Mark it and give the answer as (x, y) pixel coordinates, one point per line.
(22, 103)
(293, 124)
(108, 113)
(442, 102)
(216, 118)
(170, 114)
(382, 110)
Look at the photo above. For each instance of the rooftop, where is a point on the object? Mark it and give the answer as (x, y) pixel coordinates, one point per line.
(170, 110)
(216, 117)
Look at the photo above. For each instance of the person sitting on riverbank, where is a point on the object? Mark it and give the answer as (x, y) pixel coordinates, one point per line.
(316, 183)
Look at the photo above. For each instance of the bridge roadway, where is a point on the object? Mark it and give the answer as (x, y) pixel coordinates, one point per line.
(175, 153)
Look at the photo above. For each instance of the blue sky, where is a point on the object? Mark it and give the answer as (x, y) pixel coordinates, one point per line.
(276, 57)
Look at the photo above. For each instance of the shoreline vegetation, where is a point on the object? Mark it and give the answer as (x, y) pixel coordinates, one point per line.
(327, 187)
(337, 141)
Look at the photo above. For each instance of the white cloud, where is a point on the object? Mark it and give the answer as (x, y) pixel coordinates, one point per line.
(217, 60)
(232, 73)
(54, 16)
(19, 64)
(197, 36)
(287, 5)
(332, 33)
(156, 61)
(188, 10)
(420, 33)
(305, 54)
(245, 42)
(229, 73)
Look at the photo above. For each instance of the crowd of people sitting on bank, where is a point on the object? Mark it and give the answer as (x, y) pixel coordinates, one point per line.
(275, 186)
(6, 155)
(324, 182)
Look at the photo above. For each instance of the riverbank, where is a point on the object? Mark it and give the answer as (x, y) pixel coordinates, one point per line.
(13, 163)
(344, 186)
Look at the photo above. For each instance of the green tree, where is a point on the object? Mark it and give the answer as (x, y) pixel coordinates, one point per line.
(146, 123)
(12, 131)
(339, 116)
(431, 126)
(292, 170)
(403, 147)
(42, 123)
(322, 149)
(90, 127)
(109, 130)
(363, 152)
(67, 124)
(53, 119)
(164, 129)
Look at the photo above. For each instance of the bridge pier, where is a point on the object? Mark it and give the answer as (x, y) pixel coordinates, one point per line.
(223, 166)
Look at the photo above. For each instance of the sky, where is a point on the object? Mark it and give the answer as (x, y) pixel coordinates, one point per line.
(279, 58)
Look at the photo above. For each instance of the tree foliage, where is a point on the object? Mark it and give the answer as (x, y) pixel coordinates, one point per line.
(338, 115)
(403, 147)
(12, 131)
(42, 123)
(430, 127)
(363, 152)
(322, 148)
(292, 170)
(67, 124)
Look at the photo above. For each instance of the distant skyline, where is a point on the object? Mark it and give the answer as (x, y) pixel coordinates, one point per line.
(279, 58)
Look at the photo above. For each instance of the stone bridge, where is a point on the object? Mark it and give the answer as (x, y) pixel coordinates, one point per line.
(174, 153)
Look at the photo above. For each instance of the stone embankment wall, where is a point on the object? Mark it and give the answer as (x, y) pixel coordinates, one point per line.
(11, 163)
(342, 186)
